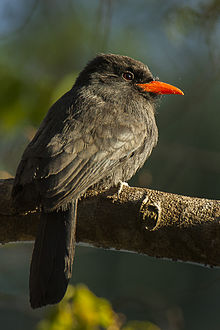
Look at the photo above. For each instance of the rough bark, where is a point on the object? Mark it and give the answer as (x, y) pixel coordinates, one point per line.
(141, 220)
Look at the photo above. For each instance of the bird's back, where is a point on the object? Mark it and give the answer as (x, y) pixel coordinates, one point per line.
(76, 148)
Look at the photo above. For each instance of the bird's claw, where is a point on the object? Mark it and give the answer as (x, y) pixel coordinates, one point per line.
(121, 185)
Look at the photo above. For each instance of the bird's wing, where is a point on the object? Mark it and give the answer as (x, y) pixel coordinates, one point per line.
(55, 170)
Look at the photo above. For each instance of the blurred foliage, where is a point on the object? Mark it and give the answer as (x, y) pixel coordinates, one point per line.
(23, 101)
(82, 310)
(204, 16)
(43, 46)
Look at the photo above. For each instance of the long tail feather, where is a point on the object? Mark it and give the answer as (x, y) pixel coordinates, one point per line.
(52, 259)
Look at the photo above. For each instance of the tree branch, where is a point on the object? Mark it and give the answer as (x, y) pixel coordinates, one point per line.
(144, 221)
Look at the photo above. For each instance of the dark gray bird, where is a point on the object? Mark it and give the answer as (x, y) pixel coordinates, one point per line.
(97, 134)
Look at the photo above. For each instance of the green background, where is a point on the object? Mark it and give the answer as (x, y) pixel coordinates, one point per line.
(43, 46)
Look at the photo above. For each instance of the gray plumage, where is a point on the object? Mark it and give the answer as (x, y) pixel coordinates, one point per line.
(98, 133)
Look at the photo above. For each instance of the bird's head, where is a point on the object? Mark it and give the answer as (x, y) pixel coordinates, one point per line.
(120, 75)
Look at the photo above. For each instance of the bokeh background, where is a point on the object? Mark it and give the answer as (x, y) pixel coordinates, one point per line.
(43, 46)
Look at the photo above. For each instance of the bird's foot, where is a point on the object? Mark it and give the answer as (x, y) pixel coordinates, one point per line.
(121, 185)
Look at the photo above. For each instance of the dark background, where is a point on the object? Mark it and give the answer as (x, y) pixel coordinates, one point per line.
(43, 46)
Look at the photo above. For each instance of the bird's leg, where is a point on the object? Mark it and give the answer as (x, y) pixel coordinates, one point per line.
(121, 185)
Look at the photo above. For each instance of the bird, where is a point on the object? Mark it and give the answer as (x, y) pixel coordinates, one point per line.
(98, 134)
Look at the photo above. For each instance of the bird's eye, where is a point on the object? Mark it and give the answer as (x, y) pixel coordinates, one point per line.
(128, 75)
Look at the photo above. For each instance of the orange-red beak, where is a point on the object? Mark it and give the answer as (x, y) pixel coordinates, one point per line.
(159, 87)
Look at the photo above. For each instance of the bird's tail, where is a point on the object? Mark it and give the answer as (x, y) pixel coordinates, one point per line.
(52, 259)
